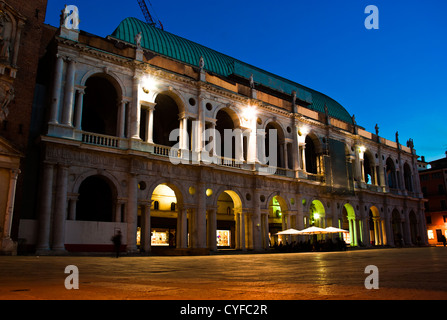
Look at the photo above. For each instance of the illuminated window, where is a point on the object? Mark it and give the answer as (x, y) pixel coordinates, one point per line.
(223, 238)
(431, 235)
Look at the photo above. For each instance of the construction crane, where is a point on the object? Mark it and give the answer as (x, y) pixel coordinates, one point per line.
(148, 16)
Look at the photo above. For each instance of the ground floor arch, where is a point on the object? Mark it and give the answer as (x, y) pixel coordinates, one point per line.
(96, 200)
(397, 228)
(317, 214)
(349, 222)
(230, 224)
(377, 234)
(278, 219)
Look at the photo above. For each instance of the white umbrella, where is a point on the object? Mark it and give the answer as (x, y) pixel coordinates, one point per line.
(289, 231)
(313, 230)
(335, 230)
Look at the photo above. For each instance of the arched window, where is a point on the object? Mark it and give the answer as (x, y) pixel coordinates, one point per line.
(96, 200)
(278, 147)
(391, 174)
(166, 119)
(368, 168)
(156, 205)
(100, 106)
(173, 206)
(408, 178)
(311, 156)
(225, 122)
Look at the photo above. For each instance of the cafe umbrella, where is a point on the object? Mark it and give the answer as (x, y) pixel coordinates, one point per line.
(335, 230)
(312, 230)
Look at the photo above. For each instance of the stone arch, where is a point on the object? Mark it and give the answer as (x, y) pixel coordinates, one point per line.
(391, 174)
(167, 113)
(107, 175)
(234, 193)
(103, 95)
(396, 226)
(97, 198)
(232, 112)
(229, 227)
(377, 234)
(317, 214)
(175, 95)
(408, 177)
(281, 156)
(114, 78)
(349, 222)
(175, 186)
(369, 168)
(313, 150)
(283, 202)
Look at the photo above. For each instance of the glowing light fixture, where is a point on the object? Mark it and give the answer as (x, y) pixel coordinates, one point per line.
(249, 113)
(362, 150)
(302, 131)
(148, 83)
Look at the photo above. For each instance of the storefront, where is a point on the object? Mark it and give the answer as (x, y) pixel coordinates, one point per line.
(223, 238)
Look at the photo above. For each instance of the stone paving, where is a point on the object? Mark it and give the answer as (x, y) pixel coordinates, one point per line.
(408, 273)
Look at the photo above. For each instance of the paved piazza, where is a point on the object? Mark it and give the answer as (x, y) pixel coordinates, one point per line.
(409, 273)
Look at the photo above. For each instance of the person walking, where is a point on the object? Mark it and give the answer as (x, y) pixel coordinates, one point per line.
(116, 239)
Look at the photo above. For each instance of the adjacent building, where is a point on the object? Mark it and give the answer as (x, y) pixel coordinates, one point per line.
(177, 145)
(21, 24)
(434, 188)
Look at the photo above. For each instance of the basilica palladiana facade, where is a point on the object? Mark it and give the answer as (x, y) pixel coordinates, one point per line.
(180, 147)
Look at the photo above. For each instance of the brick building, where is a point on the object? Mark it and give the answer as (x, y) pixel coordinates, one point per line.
(434, 188)
(21, 24)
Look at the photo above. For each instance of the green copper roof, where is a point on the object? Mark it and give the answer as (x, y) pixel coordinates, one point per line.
(189, 52)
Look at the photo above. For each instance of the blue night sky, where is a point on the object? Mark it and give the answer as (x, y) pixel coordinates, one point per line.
(394, 76)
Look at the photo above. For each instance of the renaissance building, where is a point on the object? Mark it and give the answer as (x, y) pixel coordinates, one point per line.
(177, 145)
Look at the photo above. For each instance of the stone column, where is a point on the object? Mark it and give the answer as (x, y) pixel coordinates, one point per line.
(257, 223)
(146, 230)
(13, 175)
(184, 139)
(79, 106)
(303, 157)
(60, 209)
(57, 84)
(135, 110)
(46, 200)
(121, 118)
(182, 231)
(265, 230)
(67, 110)
(150, 124)
(242, 231)
(212, 230)
(132, 213)
(72, 201)
(200, 218)
(252, 156)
